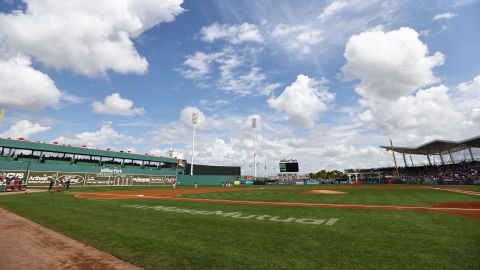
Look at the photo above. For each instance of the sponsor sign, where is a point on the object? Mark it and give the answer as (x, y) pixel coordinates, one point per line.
(162, 179)
(140, 180)
(36, 178)
(21, 175)
(76, 179)
(99, 179)
(236, 182)
(248, 182)
(111, 170)
(299, 183)
(313, 182)
(238, 215)
(40, 178)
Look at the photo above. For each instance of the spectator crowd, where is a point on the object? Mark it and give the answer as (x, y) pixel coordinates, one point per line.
(459, 173)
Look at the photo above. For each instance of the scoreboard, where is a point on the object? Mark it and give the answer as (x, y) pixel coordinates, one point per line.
(288, 166)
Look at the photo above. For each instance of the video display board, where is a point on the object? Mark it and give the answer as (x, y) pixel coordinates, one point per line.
(288, 166)
(213, 170)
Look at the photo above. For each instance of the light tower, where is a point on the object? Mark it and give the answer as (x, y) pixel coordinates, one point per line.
(2, 115)
(194, 123)
(254, 126)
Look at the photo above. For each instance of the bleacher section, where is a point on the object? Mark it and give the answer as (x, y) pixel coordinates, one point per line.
(37, 163)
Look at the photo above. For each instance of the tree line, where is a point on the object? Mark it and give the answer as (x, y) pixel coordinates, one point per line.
(324, 174)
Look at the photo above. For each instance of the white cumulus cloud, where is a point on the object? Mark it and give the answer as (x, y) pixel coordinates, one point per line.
(114, 104)
(232, 70)
(23, 86)
(396, 73)
(469, 98)
(198, 64)
(235, 34)
(24, 129)
(427, 112)
(389, 64)
(88, 38)
(303, 100)
(297, 38)
(106, 135)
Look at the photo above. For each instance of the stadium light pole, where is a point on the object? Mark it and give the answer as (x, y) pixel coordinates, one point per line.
(254, 126)
(2, 115)
(194, 123)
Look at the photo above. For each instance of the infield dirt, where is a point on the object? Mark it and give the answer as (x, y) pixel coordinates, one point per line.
(27, 245)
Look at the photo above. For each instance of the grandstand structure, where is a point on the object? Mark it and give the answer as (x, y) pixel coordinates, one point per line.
(448, 167)
(438, 148)
(36, 163)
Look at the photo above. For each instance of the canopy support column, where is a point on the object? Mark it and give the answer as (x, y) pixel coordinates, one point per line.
(451, 157)
(441, 158)
(411, 160)
(429, 161)
(404, 160)
(394, 159)
(470, 151)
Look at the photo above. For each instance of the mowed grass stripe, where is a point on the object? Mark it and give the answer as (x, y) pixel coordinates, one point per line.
(419, 197)
(361, 239)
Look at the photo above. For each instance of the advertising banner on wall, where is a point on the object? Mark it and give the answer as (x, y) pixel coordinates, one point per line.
(21, 175)
(76, 179)
(40, 178)
(140, 180)
(99, 179)
(313, 182)
(162, 179)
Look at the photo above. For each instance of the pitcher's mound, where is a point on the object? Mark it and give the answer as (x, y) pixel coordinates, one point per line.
(324, 191)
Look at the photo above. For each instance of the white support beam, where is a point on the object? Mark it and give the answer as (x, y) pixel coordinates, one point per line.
(451, 157)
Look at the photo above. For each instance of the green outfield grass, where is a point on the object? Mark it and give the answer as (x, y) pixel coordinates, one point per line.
(410, 197)
(360, 239)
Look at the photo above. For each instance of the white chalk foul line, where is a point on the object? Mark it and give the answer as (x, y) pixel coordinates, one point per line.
(462, 191)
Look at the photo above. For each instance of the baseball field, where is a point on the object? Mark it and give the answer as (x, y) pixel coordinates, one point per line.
(269, 227)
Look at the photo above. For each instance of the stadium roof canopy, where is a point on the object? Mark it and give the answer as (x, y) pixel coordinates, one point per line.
(436, 147)
(58, 148)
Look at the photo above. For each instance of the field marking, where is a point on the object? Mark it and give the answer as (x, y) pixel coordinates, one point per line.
(320, 205)
(237, 215)
(462, 191)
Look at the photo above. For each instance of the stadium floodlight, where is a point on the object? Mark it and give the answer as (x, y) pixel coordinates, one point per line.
(194, 123)
(2, 115)
(254, 126)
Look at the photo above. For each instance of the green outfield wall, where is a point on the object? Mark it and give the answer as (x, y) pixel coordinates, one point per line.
(40, 174)
(204, 180)
(37, 163)
(37, 174)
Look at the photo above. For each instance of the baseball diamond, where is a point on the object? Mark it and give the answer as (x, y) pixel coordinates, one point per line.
(238, 135)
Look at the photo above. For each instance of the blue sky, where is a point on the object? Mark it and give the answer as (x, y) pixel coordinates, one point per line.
(329, 81)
